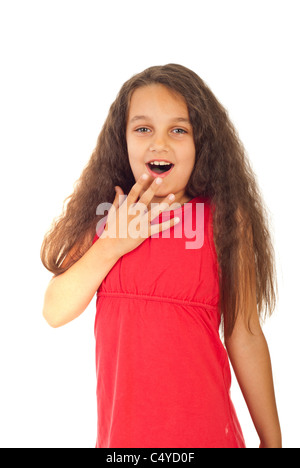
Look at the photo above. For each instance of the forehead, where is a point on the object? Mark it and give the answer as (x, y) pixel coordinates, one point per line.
(157, 98)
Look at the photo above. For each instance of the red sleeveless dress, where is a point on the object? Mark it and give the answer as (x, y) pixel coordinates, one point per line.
(163, 376)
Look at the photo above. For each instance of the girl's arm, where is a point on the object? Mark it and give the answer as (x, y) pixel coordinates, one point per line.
(69, 294)
(250, 359)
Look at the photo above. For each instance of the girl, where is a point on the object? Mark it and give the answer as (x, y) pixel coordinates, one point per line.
(163, 376)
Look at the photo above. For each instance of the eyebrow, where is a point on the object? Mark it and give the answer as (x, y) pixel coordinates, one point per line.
(145, 117)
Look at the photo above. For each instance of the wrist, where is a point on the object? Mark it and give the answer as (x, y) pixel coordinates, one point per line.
(109, 248)
(272, 443)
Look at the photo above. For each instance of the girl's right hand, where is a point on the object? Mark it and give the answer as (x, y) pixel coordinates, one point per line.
(129, 222)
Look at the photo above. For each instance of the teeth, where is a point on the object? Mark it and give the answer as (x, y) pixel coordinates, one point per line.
(160, 163)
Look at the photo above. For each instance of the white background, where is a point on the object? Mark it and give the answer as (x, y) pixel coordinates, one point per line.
(62, 65)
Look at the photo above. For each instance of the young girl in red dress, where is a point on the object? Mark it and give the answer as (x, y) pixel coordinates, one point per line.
(183, 252)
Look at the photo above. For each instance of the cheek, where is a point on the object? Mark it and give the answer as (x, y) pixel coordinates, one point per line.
(185, 172)
(187, 163)
(134, 151)
(135, 160)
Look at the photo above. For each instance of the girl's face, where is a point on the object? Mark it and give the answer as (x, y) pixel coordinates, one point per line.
(158, 129)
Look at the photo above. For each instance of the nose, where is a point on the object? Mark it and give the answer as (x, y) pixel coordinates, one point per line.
(158, 149)
(159, 145)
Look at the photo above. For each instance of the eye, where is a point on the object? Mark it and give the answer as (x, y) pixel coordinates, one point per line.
(144, 130)
(138, 130)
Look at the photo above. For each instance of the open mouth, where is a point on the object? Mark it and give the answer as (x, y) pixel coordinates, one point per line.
(160, 168)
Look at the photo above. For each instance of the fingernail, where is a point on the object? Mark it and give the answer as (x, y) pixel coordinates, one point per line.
(158, 180)
(176, 220)
(145, 176)
(171, 197)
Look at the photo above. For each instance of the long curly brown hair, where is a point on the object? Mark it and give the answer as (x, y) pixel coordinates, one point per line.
(222, 172)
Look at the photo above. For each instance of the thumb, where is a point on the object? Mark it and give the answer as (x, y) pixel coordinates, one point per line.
(118, 198)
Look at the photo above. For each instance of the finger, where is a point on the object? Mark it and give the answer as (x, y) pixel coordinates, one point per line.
(151, 191)
(119, 198)
(156, 228)
(156, 208)
(137, 188)
(115, 204)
